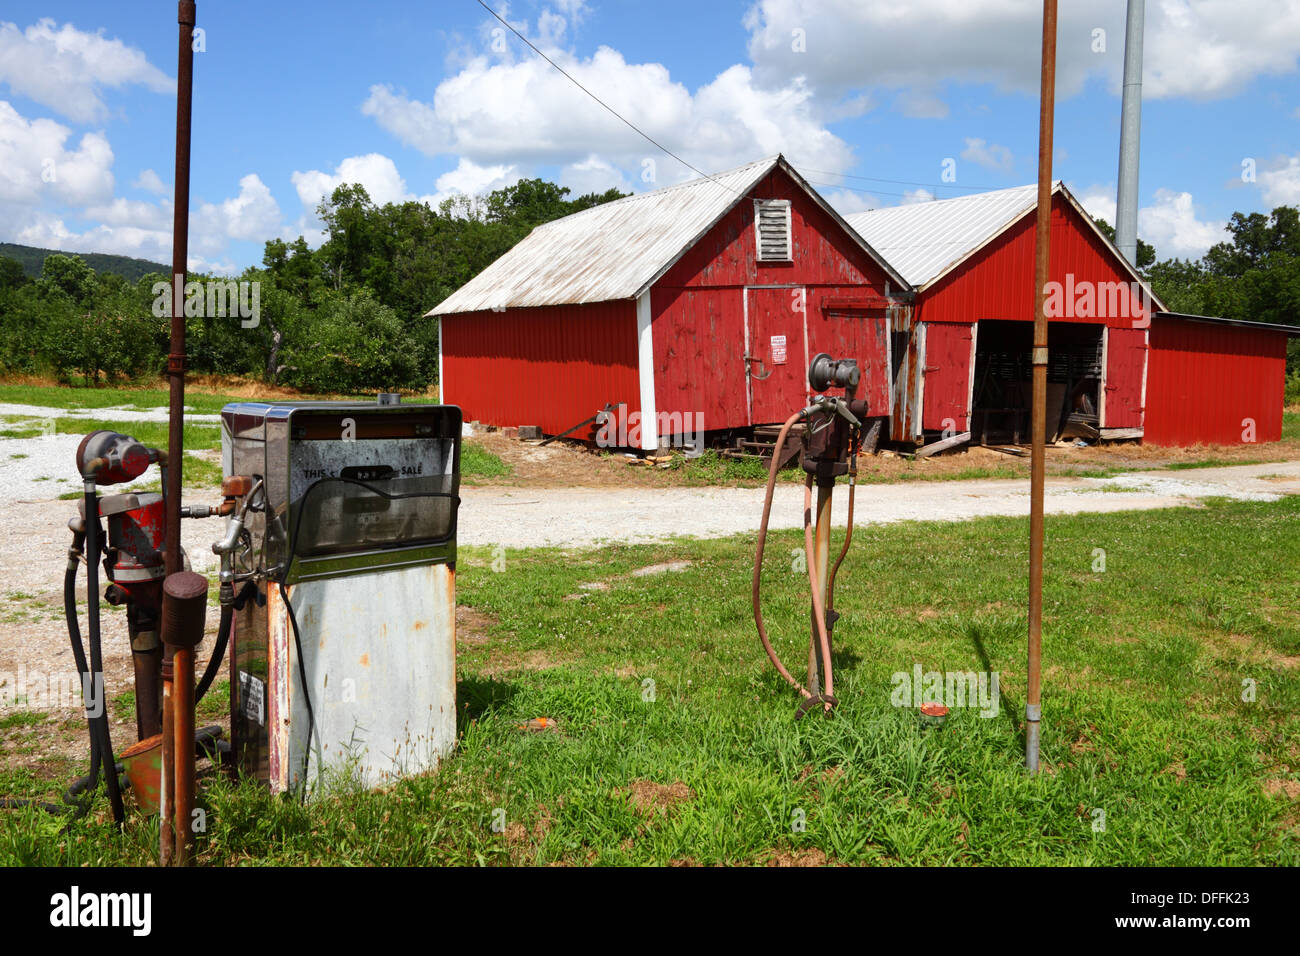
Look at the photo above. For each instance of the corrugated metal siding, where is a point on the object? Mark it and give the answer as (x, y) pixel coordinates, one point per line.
(551, 367)
(998, 281)
(1204, 380)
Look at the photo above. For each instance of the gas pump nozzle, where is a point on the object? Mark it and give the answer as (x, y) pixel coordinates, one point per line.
(225, 548)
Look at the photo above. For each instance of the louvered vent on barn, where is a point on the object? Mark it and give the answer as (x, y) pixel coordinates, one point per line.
(772, 224)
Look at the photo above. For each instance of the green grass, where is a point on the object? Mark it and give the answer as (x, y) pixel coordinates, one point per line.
(22, 718)
(1290, 425)
(477, 462)
(1143, 711)
(1217, 463)
(63, 396)
(196, 435)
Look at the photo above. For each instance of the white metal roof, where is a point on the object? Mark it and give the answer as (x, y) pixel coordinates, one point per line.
(925, 241)
(619, 249)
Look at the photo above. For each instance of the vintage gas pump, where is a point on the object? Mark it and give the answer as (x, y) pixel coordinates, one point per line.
(342, 544)
(831, 439)
(337, 596)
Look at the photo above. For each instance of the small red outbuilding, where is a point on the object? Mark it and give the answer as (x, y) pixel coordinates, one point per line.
(695, 308)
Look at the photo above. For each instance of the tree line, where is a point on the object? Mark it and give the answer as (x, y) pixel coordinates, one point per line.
(344, 317)
(348, 315)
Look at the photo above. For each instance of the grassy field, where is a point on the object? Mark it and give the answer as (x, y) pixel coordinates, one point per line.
(1144, 717)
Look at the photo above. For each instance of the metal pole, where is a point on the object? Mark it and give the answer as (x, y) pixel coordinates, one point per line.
(1042, 243)
(825, 492)
(185, 16)
(1126, 200)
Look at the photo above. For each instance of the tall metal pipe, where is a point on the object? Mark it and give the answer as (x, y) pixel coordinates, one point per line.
(185, 17)
(822, 548)
(1126, 200)
(1042, 247)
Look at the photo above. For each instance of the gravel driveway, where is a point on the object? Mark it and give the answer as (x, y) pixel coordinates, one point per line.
(585, 517)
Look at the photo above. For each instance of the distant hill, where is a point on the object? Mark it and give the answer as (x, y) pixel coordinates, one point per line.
(33, 259)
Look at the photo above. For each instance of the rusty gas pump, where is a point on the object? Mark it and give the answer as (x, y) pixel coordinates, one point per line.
(831, 440)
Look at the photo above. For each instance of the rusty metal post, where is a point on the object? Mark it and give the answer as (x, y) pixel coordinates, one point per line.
(185, 17)
(185, 605)
(822, 548)
(1042, 246)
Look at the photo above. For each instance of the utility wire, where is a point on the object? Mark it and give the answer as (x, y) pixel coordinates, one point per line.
(901, 182)
(630, 124)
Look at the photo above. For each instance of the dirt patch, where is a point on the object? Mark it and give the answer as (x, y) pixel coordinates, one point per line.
(1177, 771)
(564, 464)
(1282, 788)
(649, 797)
(505, 662)
(661, 568)
(810, 857)
(1254, 651)
(571, 464)
(473, 627)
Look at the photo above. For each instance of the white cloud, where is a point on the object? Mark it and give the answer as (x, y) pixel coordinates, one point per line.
(1196, 48)
(36, 164)
(593, 175)
(150, 182)
(990, 156)
(911, 196)
(66, 69)
(470, 179)
(846, 202)
(1280, 186)
(1213, 48)
(133, 212)
(376, 172)
(495, 113)
(133, 227)
(1170, 223)
(253, 214)
(1099, 203)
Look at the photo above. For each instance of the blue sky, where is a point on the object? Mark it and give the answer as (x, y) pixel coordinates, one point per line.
(423, 100)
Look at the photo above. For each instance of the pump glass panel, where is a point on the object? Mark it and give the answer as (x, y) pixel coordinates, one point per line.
(370, 482)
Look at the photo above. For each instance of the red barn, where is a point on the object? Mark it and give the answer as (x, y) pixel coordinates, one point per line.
(1120, 366)
(695, 308)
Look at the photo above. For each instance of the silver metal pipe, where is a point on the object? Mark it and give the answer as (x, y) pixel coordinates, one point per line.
(1126, 200)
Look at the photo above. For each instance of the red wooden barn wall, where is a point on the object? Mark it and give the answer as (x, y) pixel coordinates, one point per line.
(1204, 380)
(997, 282)
(698, 312)
(552, 366)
